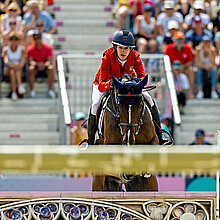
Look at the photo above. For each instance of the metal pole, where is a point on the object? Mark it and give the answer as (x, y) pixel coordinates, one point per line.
(217, 180)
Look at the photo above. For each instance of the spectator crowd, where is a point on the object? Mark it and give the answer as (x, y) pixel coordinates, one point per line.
(26, 42)
(188, 31)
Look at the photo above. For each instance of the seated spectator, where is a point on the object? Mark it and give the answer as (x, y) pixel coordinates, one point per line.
(14, 56)
(182, 52)
(12, 12)
(217, 41)
(216, 22)
(123, 12)
(145, 31)
(42, 6)
(205, 63)
(173, 27)
(195, 35)
(30, 18)
(137, 6)
(200, 138)
(4, 4)
(6, 33)
(158, 6)
(198, 8)
(181, 84)
(183, 7)
(77, 132)
(165, 123)
(167, 16)
(47, 38)
(40, 61)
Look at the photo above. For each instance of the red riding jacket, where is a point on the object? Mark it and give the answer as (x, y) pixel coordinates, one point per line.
(111, 66)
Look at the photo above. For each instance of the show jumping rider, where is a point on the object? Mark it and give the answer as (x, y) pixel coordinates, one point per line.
(118, 60)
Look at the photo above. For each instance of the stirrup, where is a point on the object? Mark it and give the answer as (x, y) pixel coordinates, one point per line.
(168, 141)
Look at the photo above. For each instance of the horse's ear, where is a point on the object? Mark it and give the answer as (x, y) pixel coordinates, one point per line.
(142, 83)
(118, 85)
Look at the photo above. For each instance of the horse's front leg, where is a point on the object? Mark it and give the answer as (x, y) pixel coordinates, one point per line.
(98, 182)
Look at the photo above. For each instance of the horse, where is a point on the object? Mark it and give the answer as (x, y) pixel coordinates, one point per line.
(127, 120)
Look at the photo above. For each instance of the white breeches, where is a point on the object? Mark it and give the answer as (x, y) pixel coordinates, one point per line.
(97, 95)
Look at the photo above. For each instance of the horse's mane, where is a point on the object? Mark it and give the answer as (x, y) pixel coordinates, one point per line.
(127, 77)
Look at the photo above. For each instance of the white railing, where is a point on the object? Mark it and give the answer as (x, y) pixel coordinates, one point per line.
(65, 107)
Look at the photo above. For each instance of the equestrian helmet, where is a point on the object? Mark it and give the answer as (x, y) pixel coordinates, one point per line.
(124, 38)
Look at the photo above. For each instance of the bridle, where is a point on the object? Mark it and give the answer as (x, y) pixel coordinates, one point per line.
(116, 113)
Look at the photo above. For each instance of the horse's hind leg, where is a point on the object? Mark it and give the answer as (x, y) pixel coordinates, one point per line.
(141, 183)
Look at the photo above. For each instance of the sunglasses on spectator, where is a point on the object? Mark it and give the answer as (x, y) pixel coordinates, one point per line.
(13, 38)
(37, 37)
(13, 10)
(179, 39)
(12, 23)
(39, 25)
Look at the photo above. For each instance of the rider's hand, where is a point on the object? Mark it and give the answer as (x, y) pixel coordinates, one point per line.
(137, 80)
(111, 83)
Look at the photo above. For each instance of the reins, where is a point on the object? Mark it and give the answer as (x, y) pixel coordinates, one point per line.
(115, 112)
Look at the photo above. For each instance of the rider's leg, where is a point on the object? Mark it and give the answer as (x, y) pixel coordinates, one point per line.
(156, 117)
(91, 126)
(96, 97)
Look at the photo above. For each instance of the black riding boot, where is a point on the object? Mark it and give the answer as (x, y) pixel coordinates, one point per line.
(156, 119)
(91, 128)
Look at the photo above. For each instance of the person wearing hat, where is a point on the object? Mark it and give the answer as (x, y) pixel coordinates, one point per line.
(145, 31)
(6, 33)
(47, 38)
(35, 14)
(118, 60)
(14, 56)
(195, 35)
(198, 8)
(40, 57)
(78, 132)
(168, 15)
(12, 11)
(165, 122)
(173, 27)
(181, 84)
(200, 138)
(182, 52)
(206, 66)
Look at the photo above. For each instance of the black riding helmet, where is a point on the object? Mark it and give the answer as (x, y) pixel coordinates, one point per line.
(124, 38)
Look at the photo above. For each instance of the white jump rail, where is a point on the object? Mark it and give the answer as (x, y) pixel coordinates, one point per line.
(65, 116)
(217, 180)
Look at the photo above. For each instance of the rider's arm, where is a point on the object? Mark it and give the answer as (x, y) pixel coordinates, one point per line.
(104, 77)
(139, 67)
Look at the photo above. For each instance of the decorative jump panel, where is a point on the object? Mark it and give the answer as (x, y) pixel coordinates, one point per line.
(109, 208)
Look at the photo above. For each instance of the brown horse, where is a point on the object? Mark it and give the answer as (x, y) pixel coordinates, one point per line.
(127, 121)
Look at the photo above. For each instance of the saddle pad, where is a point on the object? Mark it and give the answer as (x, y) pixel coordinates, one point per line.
(149, 111)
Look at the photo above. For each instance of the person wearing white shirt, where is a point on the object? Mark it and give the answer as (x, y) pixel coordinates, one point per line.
(168, 15)
(181, 84)
(198, 8)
